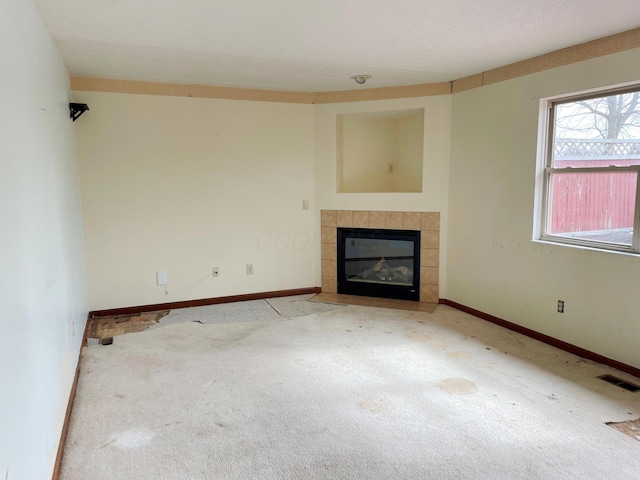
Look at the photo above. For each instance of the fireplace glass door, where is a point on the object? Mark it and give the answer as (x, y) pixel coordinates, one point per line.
(379, 263)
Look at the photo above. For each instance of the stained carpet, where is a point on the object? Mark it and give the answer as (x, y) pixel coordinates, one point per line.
(351, 393)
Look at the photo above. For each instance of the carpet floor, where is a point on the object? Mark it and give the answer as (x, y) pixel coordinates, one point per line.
(349, 393)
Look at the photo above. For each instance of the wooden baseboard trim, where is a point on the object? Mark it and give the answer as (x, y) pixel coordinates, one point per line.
(201, 302)
(67, 415)
(554, 342)
(65, 425)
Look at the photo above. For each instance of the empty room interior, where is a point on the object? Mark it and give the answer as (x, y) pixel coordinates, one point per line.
(308, 240)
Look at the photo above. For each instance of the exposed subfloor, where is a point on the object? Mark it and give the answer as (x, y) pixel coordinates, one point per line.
(293, 306)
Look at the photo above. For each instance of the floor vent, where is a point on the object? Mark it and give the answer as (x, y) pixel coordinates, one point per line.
(620, 382)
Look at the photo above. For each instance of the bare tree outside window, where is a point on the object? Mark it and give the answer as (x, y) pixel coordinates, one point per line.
(609, 118)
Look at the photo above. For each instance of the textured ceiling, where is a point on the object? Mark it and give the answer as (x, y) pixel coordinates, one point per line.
(316, 45)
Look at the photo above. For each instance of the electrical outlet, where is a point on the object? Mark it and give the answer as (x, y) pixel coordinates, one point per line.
(560, 306)
(216, 272)
(391, 168)
(249, 268)
(305, 204)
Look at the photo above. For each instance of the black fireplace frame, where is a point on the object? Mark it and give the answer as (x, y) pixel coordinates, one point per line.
(401, 292)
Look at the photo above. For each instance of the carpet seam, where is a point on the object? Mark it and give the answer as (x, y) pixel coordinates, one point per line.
(274, 308)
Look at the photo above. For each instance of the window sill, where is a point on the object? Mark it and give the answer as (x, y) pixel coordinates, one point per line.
(554, 243)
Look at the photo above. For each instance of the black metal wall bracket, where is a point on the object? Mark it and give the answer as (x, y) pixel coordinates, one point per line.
(77, 109)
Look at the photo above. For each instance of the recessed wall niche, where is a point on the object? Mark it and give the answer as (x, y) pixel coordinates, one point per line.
(380, 151)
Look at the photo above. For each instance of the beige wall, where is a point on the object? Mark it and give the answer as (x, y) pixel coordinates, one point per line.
(435, 166)
(43, 304)
(368, 144)
(493, 265)
(185, 184)
(409, 155)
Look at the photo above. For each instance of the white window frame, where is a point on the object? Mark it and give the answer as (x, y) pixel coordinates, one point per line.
(545, 171)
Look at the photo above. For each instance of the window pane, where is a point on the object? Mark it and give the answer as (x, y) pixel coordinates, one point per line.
(598, 132)
(593, 206)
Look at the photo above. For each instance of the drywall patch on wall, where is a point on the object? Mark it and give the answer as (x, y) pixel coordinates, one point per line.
(43, 306)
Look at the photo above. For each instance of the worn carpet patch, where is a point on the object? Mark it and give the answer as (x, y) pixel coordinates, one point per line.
(348, 394)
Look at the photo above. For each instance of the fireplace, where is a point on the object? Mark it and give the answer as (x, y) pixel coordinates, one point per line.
(427, 223)
(379, 263)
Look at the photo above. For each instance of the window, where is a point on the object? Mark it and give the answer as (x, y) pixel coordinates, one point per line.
(589, 193)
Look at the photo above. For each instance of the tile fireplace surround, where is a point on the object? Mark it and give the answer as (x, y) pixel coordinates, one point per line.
(427, 222)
